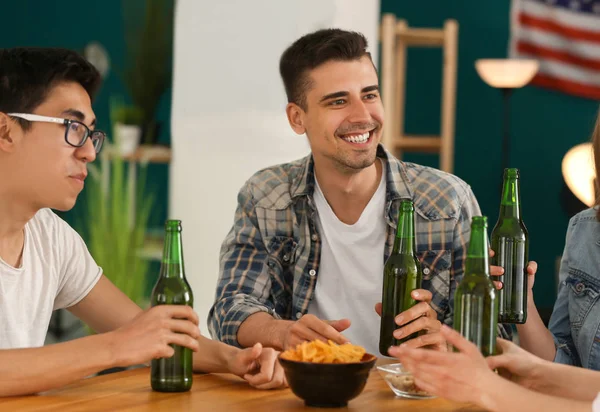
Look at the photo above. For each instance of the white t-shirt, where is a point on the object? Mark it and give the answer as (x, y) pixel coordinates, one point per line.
(351, 268)
(56, 272)
(596, 404)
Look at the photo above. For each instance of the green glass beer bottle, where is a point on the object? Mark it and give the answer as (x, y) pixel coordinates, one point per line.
(476, 312)
(510, 242)
(172, 374)
(402, 274)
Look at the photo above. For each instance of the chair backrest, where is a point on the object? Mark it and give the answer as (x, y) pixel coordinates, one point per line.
(396, 37)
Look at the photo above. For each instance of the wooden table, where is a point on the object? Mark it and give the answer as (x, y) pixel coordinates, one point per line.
(130, 391)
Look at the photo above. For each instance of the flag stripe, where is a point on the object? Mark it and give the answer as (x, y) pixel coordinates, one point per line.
(555, 41)
(584, 21)
(577, 6)
(571, 87)
(557, 55)
(554, 27)
(567, 71)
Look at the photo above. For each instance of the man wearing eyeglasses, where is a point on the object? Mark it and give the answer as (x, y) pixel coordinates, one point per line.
(47, 138)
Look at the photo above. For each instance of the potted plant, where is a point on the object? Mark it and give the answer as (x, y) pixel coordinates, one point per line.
(127, 123)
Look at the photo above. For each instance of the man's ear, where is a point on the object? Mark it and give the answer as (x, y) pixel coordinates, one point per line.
(7, 127)
(296, 115)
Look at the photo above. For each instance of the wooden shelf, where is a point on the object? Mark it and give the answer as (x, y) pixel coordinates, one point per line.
(422, 37)
(150, 253)
(419, 37)
(145, 154)
(153, 245)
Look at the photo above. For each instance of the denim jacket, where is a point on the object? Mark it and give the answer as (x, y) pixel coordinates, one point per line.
(575, 321)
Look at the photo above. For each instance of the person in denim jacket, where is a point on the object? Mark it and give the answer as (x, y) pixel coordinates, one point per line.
(573, 336)
(575, 319)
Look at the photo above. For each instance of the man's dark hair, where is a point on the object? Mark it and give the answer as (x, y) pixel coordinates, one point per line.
(311, 51)
(28, 74)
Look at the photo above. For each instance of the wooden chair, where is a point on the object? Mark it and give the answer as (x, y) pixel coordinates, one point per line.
(395, 37)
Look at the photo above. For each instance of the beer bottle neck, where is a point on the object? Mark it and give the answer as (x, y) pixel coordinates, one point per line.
(478, 252)
(405, 243)
(172, 261)
(510, 205)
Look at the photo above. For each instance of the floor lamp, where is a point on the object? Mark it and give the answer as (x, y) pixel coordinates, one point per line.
(506, 75)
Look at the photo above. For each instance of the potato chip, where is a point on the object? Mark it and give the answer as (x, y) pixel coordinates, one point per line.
(318, 351)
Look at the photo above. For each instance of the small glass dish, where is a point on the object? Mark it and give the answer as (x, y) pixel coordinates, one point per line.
(401, 382)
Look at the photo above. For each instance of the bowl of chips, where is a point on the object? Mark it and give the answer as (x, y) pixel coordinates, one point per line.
(401, 382)
(326, 374)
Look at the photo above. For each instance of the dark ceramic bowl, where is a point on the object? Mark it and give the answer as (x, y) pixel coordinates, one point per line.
(327, 385)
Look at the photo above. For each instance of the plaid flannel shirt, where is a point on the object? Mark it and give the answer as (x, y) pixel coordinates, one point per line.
(269, 261)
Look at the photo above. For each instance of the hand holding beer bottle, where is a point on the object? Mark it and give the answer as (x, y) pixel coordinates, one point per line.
(401, 291)
(153, 333)
(420, 319)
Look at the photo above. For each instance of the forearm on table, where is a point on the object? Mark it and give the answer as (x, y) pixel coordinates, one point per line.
(534, 336)
(263, 328)
(33, 370)
(569, 381)
(213, 356)
(504, 395)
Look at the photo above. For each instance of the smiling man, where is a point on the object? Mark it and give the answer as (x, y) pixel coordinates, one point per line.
(47, 139)
(304, 259)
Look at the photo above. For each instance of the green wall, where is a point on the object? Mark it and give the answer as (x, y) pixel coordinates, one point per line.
(545, 124)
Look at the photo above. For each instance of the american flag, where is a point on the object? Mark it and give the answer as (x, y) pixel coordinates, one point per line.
(564, 36)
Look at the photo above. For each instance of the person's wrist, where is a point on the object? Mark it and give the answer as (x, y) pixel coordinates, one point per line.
(228, 357)
(108, 344)
(540, 376)
(282, 330)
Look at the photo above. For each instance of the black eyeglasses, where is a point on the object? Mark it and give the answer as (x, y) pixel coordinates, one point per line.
(76, 133)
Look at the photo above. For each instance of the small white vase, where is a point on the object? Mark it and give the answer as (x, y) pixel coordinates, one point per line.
(127, 138)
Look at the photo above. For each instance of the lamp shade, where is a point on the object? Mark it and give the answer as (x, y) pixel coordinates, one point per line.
(579, 173)
(506, 73)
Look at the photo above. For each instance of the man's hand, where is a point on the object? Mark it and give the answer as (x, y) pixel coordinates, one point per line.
(421, 317)
(149, 334)
(309, 328)
(259, 366)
